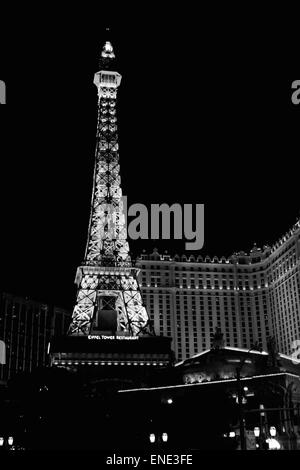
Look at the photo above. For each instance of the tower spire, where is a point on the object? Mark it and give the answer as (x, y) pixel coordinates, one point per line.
(108, 297)
(107, 54)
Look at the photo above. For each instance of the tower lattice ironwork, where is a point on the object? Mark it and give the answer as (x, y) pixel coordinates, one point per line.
(108, 297)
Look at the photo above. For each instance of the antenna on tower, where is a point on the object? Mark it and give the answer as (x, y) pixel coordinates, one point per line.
(107, 54)
(107, 34)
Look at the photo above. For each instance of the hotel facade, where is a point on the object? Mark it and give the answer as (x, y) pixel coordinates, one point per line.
(251, 297)
(26, 327)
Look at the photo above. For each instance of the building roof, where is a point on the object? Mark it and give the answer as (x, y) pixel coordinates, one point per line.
(221, 363)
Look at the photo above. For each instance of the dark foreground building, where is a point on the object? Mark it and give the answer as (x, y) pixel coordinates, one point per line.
(26, 327)
(214, 390)
(196, 405)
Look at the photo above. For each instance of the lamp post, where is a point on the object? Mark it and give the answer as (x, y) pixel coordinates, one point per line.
(241, 409)
(257, 434)
(240, 400)
(261, 414)
(271, 441)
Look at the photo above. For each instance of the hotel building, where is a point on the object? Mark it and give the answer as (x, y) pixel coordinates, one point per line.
(26, 327)
(249, 296)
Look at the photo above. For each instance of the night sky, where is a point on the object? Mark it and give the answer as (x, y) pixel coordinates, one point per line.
(204, 114)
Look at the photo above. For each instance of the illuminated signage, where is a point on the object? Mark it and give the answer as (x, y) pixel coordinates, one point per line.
(111, 337)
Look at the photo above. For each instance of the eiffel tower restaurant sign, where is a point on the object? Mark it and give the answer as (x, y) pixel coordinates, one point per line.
(103, 337)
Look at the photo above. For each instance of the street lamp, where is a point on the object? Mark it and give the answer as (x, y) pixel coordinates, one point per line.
(242, 400)
(163, 438)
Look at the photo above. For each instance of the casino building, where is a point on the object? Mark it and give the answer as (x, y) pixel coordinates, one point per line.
(249, 296)
(26, 327)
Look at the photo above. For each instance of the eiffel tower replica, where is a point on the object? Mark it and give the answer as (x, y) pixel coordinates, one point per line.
(110, 325)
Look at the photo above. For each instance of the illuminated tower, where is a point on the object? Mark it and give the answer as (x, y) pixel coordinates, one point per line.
(108, 298)
(109, 313)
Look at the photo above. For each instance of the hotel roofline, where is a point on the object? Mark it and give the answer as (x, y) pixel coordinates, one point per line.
(256, 256)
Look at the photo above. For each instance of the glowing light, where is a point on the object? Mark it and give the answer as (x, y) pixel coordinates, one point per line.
(273, 431)
(10, 440)
(170, 401)
(232, 434)
(152, 438)
(203, 384)
(273, 444)
(164, 437)
(1, 441)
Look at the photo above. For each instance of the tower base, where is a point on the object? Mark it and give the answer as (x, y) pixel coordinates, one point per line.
(126, 361)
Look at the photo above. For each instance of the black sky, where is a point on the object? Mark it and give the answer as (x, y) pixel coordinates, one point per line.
(205, 116)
